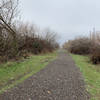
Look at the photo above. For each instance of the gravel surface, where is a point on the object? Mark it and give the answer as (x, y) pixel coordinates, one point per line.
(60, 80)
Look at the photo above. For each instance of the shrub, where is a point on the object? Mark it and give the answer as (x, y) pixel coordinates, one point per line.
(95, 54)
(80, 46)
(26, 42)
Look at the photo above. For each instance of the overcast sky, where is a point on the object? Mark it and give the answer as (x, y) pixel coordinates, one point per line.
(68, 17)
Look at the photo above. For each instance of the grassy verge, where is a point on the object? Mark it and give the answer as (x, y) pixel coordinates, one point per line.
(91, 74)
(12, 73)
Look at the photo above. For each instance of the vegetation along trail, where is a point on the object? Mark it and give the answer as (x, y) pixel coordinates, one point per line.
(60, 80)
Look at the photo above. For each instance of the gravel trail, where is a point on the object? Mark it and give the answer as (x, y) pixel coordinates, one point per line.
(60, 80)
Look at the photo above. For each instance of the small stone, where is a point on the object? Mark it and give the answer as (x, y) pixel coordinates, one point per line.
(29, 99)
(49, 92)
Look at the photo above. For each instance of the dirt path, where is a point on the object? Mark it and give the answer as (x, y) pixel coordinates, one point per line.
(60, 80)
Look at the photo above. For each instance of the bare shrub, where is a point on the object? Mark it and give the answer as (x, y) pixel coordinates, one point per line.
(95, 54)
(51, 37)
(27, 42)
(95, 49)
(33, 42)
(80, 45)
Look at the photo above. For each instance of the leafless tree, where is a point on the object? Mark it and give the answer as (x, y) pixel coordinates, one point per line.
(8, 12)
(50, 36)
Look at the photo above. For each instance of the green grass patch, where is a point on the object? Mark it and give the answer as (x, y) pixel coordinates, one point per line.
(12, 73)
(91, 74)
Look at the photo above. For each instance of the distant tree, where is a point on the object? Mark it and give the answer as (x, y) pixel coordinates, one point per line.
(50, 36)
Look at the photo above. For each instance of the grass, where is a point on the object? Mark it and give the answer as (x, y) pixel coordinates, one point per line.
(91, 74)
(13, 73)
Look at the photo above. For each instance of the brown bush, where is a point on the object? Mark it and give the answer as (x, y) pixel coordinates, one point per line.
(26, 42)
(80, 46)
(95, 49)
(95, 54)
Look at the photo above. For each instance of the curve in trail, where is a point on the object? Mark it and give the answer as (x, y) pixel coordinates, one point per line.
(60, 80)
